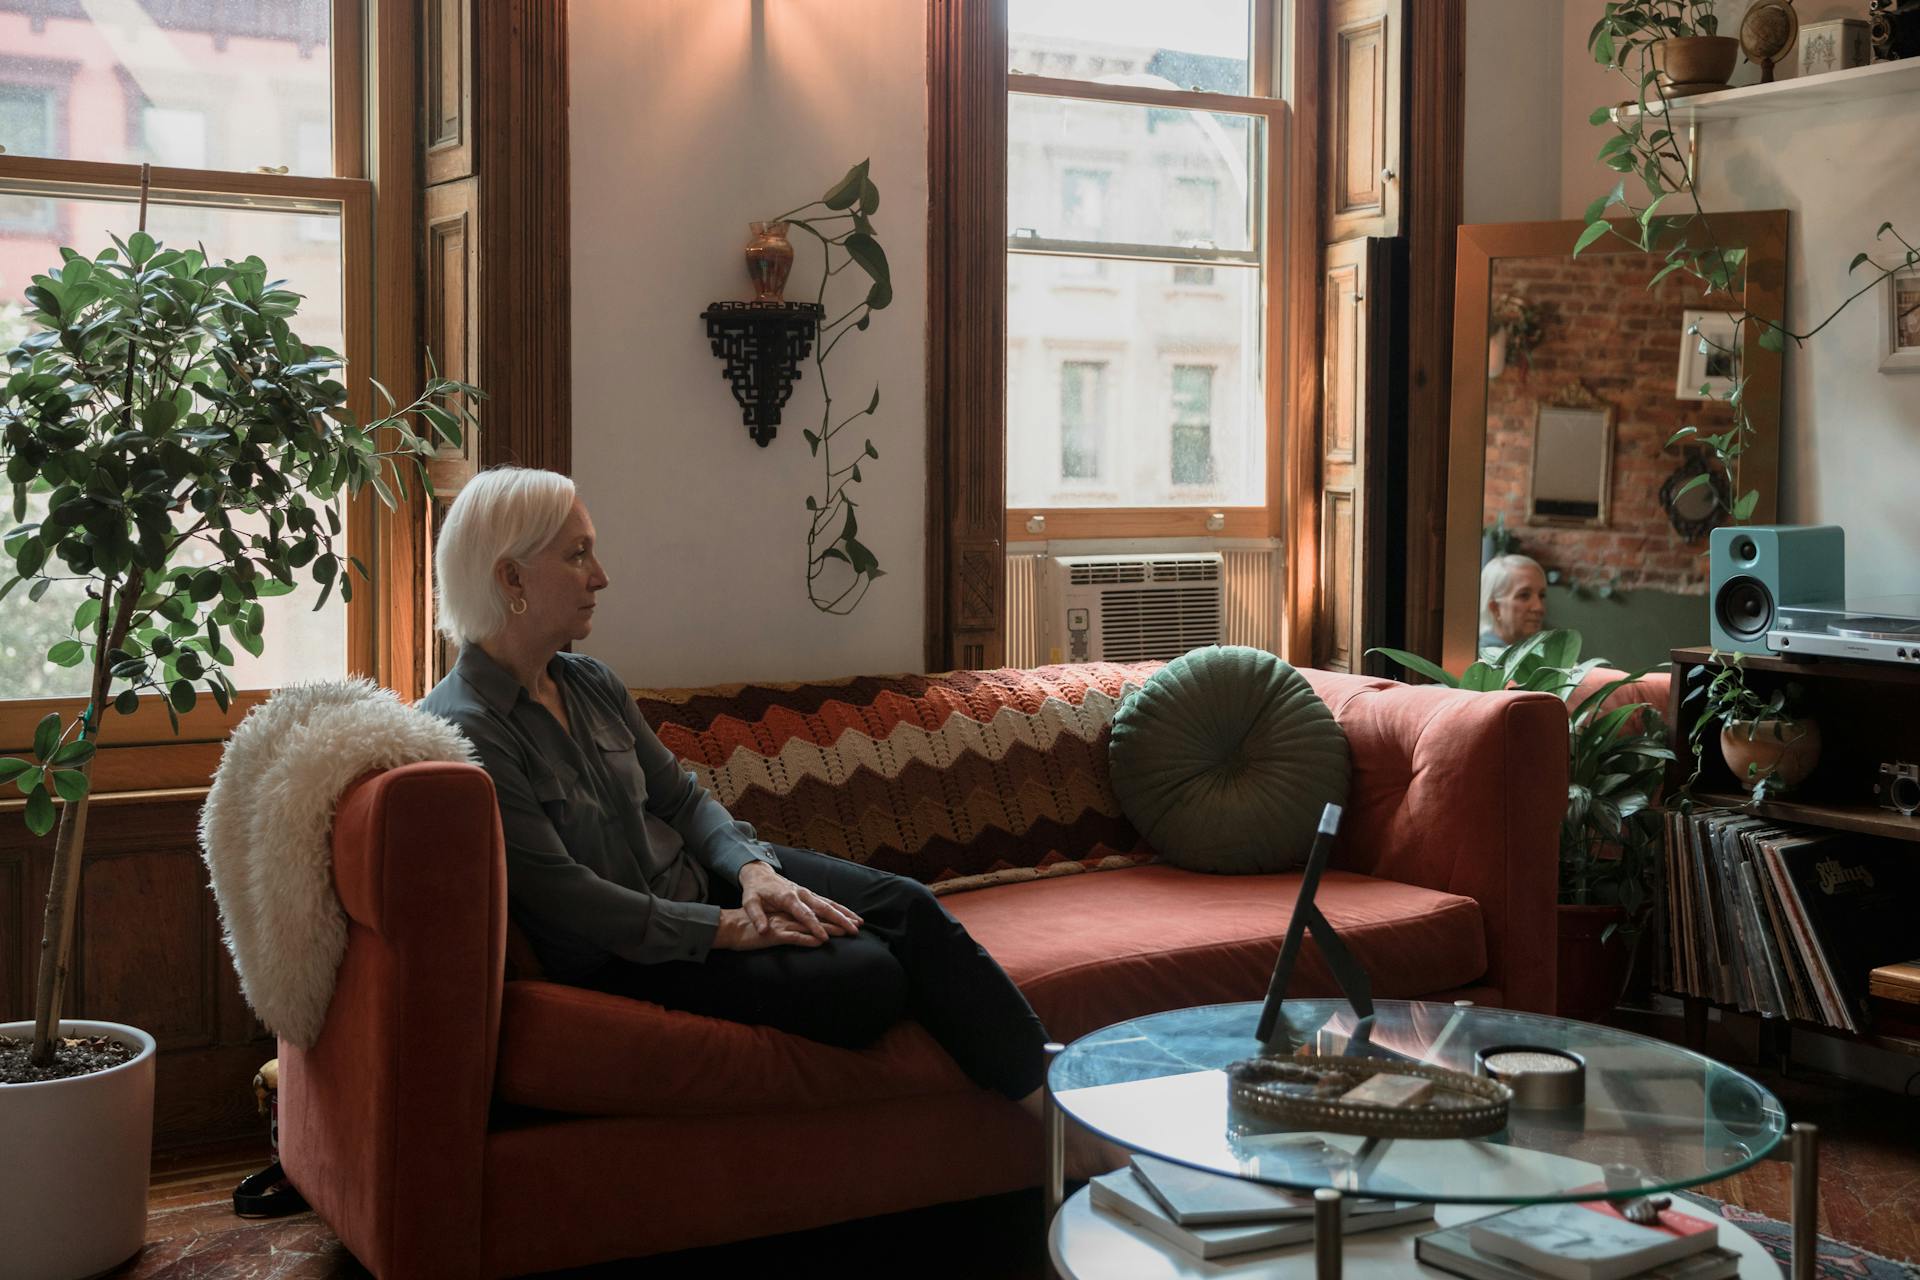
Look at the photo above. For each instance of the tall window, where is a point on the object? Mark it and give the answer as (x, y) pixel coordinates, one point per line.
(1192, 454)
(1138, 169)
(245, 96)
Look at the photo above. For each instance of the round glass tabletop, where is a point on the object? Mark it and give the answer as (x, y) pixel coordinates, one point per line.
(1655, 1116)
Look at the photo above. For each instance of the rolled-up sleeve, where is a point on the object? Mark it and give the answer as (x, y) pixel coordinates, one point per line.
(721, 842)
(558, 898)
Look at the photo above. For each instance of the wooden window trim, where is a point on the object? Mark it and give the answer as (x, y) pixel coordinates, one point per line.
(386, 618)
(1063, 523)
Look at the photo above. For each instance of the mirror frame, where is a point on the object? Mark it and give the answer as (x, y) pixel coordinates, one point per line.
(1763, 234)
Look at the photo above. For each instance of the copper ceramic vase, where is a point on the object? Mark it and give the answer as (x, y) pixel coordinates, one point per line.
(769, 259)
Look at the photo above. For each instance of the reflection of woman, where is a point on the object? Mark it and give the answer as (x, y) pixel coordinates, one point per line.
(1513, 600)
(627, 876)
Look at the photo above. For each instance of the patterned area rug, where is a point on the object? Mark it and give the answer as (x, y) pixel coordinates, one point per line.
(1836, 1261)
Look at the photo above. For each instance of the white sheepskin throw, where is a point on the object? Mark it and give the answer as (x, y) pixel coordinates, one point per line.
(266, 834)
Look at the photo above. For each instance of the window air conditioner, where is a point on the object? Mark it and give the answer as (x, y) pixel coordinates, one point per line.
(1130, 608)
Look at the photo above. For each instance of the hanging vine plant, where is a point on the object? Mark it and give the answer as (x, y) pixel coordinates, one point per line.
(840, 568)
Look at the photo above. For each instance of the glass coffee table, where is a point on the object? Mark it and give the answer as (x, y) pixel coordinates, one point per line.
(1655, 1118)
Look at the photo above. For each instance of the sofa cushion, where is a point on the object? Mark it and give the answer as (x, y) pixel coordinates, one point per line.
(1092, 950)
(589, 1053)
(958, 780)
(1225, 759)
(1087, 950)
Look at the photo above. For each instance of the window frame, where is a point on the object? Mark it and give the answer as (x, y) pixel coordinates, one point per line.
(1273, 247)
(142, 752)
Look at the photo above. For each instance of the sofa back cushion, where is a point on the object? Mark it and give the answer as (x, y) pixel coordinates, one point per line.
(958, 780)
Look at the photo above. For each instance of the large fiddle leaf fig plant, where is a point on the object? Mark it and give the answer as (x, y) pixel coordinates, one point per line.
(190, 453)
(844, 229)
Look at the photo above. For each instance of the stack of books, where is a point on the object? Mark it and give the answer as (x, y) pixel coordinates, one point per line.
(1211, 1215)
(1781, 920)
(1586, 1241)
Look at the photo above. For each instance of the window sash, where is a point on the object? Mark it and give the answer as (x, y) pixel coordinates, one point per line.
(351, 200)
(1189, 521)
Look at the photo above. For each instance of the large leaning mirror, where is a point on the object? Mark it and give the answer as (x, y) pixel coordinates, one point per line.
(1570, 376)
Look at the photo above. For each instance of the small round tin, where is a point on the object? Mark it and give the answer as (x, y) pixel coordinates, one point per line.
(1541, 1079)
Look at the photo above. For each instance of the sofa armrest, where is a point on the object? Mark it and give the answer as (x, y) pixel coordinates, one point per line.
(1462, 792)
(384, 1118)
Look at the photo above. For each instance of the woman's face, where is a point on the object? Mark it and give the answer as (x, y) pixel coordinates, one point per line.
(1522, 611)
(559, 583)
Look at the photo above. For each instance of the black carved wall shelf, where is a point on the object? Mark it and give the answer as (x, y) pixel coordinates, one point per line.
(763, 344)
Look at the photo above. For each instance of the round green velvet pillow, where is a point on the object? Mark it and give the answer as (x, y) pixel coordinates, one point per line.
(1224, 760)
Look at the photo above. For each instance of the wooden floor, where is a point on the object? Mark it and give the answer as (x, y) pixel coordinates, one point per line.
(1869, 1184)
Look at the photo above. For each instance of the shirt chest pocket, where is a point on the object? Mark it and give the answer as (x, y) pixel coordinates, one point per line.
(614, 745)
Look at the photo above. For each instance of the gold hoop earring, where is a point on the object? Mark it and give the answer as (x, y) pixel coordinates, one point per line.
(517, 606)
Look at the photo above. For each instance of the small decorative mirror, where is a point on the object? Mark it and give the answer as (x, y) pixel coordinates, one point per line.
(1694, 509)
(1572, 460)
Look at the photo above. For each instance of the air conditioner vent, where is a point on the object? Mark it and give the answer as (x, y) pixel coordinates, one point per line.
(1084, 574)
(1139, 625)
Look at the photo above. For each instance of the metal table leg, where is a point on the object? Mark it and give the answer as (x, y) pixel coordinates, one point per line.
(1054, 1128)
(1327, 1238)
(1804, 1140)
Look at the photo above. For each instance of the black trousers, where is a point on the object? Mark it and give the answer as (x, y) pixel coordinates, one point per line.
(910, 959)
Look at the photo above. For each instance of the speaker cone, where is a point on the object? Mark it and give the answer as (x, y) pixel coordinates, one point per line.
(1744, 608)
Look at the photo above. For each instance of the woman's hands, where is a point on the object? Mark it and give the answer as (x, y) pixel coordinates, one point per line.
(774, 911)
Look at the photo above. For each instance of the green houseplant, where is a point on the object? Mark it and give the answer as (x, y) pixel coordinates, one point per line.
(185, 452)
(1610, 835)
(1769, 747)
(844, 230)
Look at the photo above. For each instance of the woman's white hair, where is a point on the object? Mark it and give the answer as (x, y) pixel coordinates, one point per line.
(1496, 579)
(504, 513)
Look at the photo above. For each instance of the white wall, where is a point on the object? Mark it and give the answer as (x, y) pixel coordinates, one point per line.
(1850, 444)
(1512, 145)
(690, 119)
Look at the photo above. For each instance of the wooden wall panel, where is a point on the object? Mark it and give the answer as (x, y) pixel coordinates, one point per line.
(966, 348)
(147, 953)
(1436, 38)
(446, 86)
(1363, 119)
(1352, 463)
(521, 158)
(452, 306)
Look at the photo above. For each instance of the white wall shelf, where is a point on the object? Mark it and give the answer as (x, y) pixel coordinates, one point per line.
(1882, 79)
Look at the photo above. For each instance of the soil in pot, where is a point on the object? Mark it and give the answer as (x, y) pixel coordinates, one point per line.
(1786, 750)
(72, 1056)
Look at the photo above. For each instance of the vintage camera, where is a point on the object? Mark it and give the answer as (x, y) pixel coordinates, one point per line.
(1893, 27)
(1899, 787)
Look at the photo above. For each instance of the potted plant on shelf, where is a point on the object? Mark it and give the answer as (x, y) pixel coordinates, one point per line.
(184, 452)
(1768, 748)
(1611, 833)
(1682, 39)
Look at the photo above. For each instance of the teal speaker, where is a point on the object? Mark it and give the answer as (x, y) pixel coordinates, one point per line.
(1756, 569)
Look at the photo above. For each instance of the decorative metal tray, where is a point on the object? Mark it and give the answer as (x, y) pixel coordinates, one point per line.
(1305, 1093)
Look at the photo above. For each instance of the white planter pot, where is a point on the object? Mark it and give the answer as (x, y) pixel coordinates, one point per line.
(73, 1181)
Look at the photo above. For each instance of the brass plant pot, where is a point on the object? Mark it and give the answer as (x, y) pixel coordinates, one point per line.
(1770, 748)
(1695, 64)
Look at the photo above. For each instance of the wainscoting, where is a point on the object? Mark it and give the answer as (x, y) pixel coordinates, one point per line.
(147, 952)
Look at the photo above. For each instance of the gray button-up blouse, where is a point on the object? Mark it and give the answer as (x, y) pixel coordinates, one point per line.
(610, 842)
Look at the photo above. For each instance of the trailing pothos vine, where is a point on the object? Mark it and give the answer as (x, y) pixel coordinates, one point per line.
(1672, 221)
(845, 235)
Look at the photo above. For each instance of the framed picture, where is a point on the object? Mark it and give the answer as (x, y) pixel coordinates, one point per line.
(1572, 474)
(1709, 355)
(1900, 323)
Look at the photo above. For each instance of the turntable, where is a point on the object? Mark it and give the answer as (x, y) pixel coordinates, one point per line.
(1881, 630)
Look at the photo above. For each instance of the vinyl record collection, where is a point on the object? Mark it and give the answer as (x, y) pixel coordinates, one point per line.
(1776, 919)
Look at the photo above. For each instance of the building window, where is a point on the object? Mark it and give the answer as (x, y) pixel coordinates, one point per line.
(1192, 424)
(27, 123)
(1154, 183)
(1083, 400)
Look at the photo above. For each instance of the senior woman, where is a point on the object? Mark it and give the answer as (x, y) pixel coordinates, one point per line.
(627, 876)
(1513, 600)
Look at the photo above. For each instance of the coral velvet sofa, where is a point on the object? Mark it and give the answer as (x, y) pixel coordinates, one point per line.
(460, 1117)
